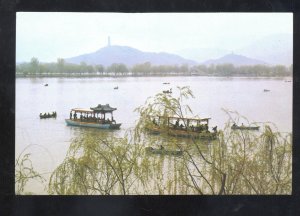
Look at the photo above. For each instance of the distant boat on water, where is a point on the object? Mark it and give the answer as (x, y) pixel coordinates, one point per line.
(266, 90)
(242, 127)
(46, 84)
(116, 87)
(163, 151)
(48, 115)
(168, 91)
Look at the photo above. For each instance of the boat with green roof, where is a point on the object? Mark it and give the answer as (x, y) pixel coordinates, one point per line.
(95, 117)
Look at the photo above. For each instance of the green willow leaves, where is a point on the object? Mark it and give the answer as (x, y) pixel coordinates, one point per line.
(237, 162)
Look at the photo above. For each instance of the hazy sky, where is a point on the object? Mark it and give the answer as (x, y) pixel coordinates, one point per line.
(49, 36)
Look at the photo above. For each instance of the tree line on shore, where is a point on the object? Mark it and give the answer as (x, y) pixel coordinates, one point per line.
(34, 68)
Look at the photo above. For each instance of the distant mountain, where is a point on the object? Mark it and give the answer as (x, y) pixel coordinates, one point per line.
(202, 54)
(274, 49)
(129, 56)
(236, 60)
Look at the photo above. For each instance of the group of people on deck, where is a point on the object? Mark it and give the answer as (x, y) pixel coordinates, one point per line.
(91, 118)
(198, 128)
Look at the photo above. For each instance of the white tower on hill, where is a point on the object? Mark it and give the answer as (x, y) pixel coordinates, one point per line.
(108, 42)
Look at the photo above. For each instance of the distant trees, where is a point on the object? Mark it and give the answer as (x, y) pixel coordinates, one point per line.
(63, 68)
(117, 69)
(142, 69)
(34, 65)
(99, 69)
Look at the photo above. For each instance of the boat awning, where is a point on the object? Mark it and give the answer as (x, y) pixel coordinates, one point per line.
(84, 110)
(103, 108)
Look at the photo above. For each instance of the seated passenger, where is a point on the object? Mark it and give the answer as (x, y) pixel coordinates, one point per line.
(215, 129)
(192, 127)
(154, 122)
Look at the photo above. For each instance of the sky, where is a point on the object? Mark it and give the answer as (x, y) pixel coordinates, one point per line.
(52, 35)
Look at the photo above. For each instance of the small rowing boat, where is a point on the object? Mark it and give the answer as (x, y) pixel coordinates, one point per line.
(163, 151)
(48, 115)
(242, 127)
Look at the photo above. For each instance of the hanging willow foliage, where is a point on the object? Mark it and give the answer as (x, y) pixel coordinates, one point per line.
(237, 162)
(24, 172)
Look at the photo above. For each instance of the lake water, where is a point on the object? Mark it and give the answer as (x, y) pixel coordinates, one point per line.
(49, 139)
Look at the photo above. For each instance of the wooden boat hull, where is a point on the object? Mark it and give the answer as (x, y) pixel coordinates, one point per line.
(151, 150)
(92, 124)
(184, 134)
(244, 128)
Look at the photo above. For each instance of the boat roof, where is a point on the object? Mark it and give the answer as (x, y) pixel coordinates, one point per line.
(193, 119)
(85, 110)
(103, 108)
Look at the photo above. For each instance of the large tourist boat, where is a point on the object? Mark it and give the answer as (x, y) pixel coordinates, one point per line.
(182, 127)
(94, 117)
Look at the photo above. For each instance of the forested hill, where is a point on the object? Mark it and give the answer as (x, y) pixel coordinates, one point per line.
(236, 60)
(128, 56)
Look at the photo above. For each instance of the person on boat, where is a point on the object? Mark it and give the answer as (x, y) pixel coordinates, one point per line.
(242, 124)
(215, 129)
(154, 122)
(81, 116)
(177, 123)
(181, 126)
(75, 115)
(192, 127)
(200, 128)
(206, 127)
(234, 125)
(112, 119)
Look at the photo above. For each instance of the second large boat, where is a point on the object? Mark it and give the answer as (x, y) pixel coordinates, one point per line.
(181, 127)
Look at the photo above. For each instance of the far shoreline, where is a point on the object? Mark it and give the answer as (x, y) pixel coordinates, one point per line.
(135, 76)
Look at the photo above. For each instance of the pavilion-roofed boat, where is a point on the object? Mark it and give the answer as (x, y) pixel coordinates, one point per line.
(183, 127)
(93, 117)
(242, 127)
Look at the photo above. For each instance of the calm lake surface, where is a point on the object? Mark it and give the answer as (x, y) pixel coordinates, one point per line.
(49, 139)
